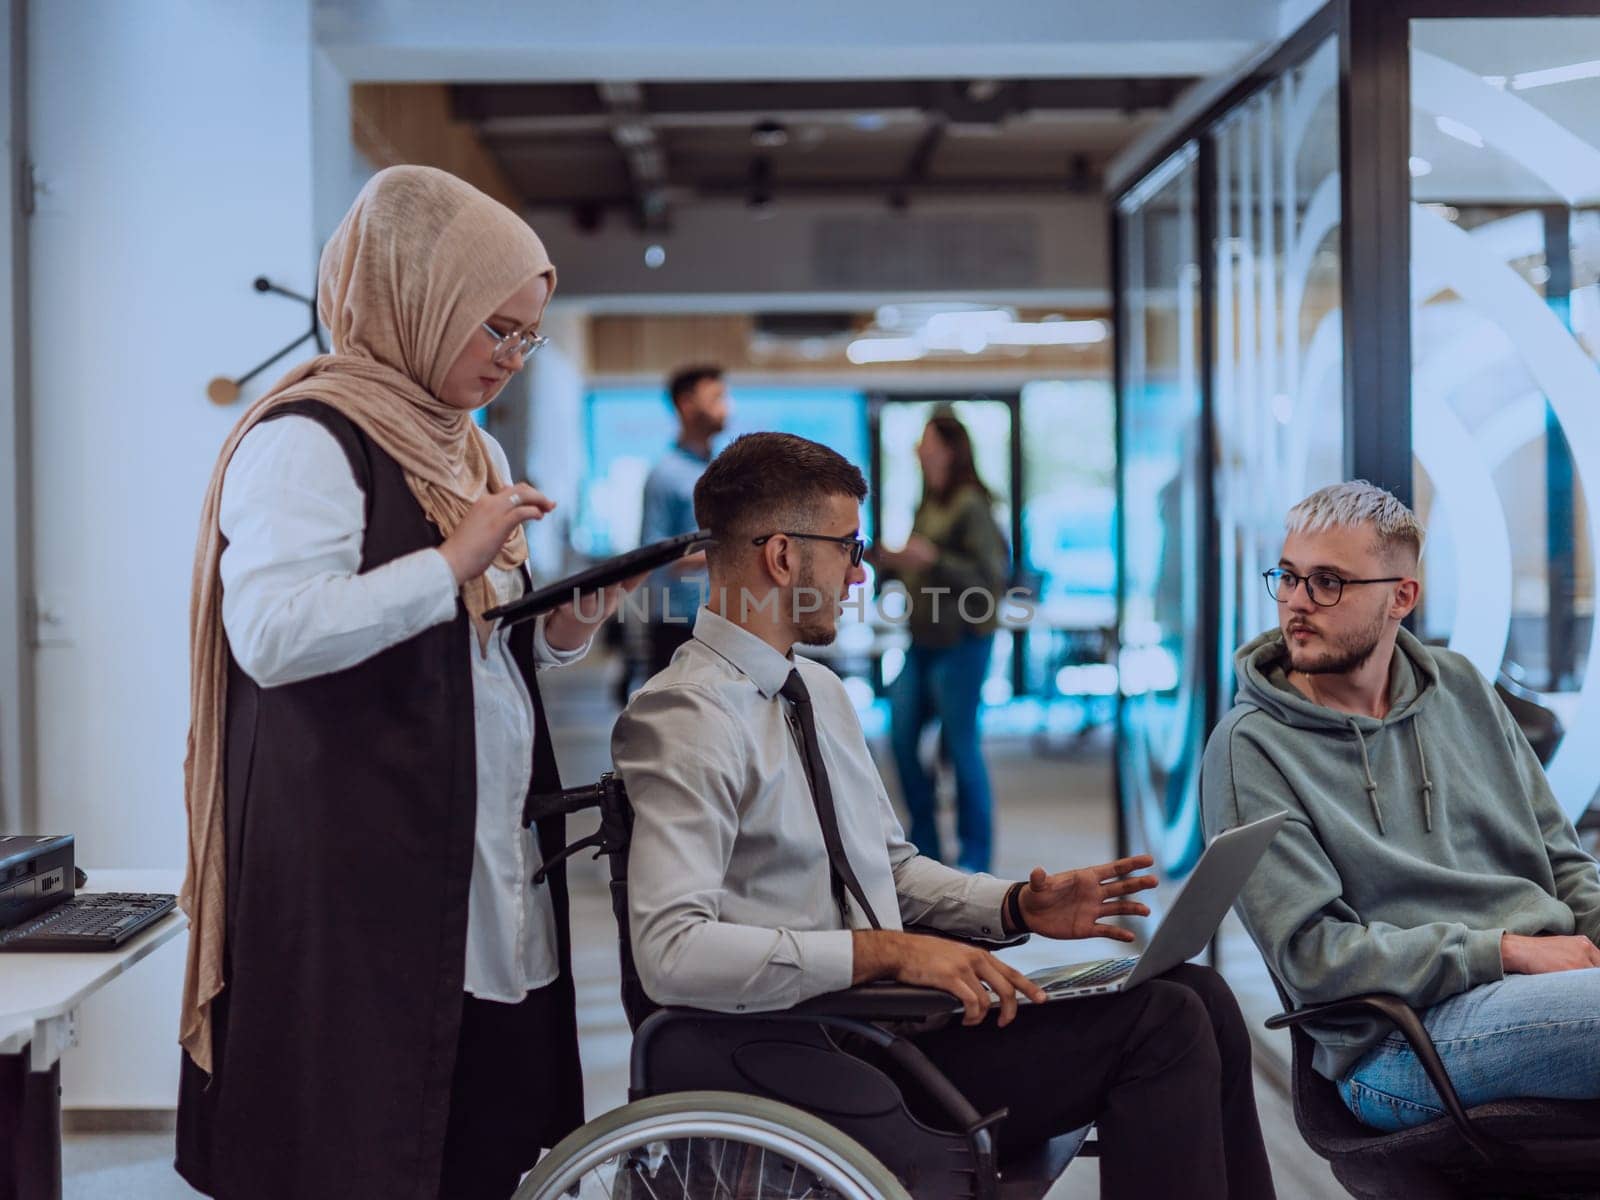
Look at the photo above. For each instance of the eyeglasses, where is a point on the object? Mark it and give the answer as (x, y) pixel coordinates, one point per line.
(1324, 587)
(856, 546)
(508, 346)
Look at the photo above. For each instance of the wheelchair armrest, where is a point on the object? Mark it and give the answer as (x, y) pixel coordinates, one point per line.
(1000, 943)
(1410, 1025)
(879, 1002)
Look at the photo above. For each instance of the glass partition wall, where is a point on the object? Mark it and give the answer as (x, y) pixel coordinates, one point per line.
(1230, 360)
(1161, 634)
(1505, 330)
(1374, 255)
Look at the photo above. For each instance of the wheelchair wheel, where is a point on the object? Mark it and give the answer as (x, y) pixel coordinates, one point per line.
(709, 1146)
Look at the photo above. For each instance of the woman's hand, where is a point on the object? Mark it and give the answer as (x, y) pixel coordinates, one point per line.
(573, 624)
(919, 553)
(487, 525)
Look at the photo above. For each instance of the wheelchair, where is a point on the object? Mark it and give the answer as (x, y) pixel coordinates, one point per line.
(827, 1100)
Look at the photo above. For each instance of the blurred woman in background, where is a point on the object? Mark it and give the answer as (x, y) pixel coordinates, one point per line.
(955, 544)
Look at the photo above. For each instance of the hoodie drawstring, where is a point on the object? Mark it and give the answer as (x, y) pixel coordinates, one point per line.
(1427, 784)
(1371, 784)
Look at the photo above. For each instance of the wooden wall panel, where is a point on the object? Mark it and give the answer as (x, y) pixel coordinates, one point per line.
(657, 344)
(395, 123)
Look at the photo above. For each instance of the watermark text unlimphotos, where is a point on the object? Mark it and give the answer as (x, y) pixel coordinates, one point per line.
(1013, 609)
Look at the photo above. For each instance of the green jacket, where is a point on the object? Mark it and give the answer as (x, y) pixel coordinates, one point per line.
(972, 559)
(1413, 842)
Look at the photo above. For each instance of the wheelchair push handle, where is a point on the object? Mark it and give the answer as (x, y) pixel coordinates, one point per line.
(616, 819)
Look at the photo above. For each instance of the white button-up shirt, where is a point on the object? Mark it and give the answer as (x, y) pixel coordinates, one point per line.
(295, 604)
(731, 902)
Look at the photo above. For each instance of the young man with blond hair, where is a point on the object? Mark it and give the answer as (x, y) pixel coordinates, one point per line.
(1424, 854)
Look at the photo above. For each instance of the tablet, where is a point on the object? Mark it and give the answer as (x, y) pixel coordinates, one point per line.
(601, 575)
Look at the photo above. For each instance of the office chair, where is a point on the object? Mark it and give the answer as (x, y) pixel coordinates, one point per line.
(1539, 724)
(1520, 1148)
(890, 1123)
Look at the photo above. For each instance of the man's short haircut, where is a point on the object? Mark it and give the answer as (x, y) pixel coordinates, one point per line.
(1395, 528)
(683, 383)
(764, 482)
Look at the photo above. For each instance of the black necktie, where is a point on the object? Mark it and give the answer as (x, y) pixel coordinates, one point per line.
(844, 876)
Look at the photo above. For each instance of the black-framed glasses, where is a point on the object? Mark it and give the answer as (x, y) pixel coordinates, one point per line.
(1324, 587)
(856, 546)
(514, 344)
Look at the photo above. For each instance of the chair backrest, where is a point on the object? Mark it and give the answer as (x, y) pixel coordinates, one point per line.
(1539, 724)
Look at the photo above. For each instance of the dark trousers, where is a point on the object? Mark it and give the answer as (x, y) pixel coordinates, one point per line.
(944, 682)
(1163, 1071)
(497, 1100)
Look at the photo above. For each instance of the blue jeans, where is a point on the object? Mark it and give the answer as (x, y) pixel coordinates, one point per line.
(944, 682)
(1534, 1036)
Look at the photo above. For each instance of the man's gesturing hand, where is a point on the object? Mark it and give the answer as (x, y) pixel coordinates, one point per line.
(1520, 955)
(966, 972)
(1073, 904)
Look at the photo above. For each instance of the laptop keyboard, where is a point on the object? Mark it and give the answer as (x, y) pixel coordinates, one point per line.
(1089, 974)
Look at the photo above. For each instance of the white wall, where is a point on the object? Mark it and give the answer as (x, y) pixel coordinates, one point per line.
(173, 138)
(16, 670)
(555, 438)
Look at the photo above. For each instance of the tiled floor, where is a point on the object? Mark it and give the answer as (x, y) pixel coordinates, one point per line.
(1053, 811)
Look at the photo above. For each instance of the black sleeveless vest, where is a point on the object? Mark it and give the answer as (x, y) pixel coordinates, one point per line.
(350, 803)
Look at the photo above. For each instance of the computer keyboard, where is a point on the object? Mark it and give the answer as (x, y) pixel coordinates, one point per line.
(1062, 979)
(91, 921)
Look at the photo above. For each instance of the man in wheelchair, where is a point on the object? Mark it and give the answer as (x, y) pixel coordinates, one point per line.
(767, 866)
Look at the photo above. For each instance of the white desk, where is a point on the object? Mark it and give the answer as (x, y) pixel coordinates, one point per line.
(39, 999)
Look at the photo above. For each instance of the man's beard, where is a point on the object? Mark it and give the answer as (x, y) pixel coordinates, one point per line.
(821, 626)
(1343, 654)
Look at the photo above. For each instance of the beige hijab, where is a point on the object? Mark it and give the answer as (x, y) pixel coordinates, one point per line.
(417, 264)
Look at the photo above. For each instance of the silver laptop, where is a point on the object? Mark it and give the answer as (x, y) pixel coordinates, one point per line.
(1200, 905)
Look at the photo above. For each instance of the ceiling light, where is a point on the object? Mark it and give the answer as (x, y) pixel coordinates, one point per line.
(966, 330)
(1579, 70)
(879, 350)
(1420, 167)
(654, 256)
(1049, 333)
(1459, 130)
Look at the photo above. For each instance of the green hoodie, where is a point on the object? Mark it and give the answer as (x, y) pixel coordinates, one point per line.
(1413, 842)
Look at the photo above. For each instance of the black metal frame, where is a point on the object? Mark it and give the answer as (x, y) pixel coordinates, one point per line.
(1375, 242)
(1118, 385)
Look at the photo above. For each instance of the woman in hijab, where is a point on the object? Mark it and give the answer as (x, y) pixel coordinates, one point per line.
(378, 1000)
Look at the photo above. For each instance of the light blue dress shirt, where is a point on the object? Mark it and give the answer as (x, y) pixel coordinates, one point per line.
(673, 595)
